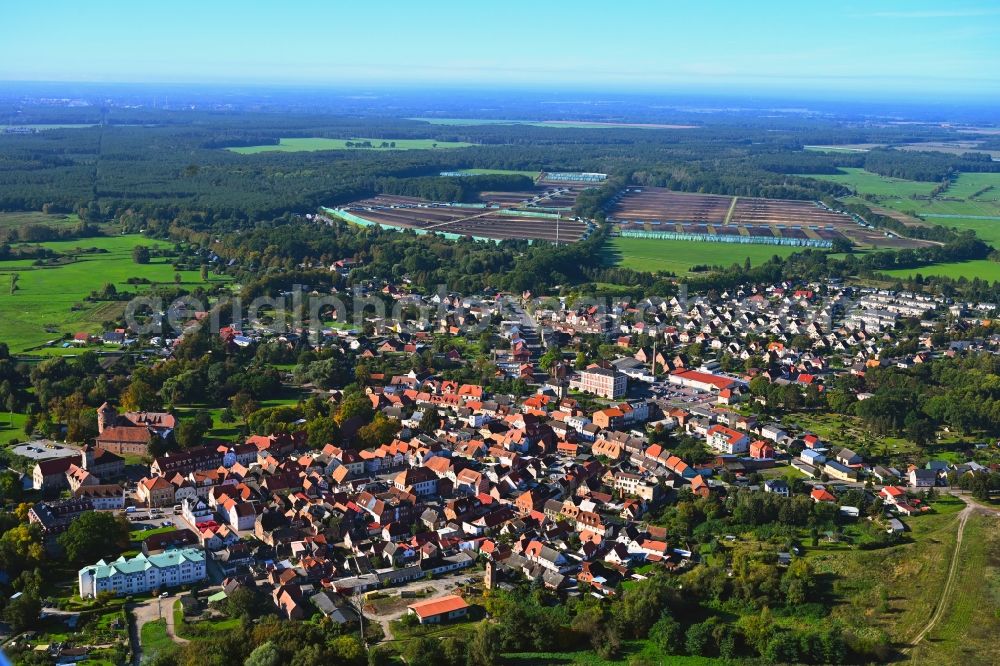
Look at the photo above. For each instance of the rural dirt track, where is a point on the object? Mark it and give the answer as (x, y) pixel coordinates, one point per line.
(949, 586)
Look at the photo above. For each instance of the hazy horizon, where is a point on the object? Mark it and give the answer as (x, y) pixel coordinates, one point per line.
(913, 50)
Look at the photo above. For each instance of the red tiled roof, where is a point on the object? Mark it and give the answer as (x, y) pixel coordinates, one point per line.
(440, 606)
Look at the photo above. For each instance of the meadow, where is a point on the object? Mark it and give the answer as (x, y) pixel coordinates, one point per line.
(52, 297)
(13, 220)
(964, 197)
(319, 143)
(983, 269)
(895, 190)
(892, 589)
(967, 631)
(645, 254)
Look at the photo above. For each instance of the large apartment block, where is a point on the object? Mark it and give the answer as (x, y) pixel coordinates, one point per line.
(601, 381)
(143, 573)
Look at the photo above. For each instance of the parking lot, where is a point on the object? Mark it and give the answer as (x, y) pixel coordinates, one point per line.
(44, 449)
(141, 519)
(680, 395)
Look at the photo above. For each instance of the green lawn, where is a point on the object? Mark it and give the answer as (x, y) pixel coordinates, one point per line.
(53, 296)
(154, 638)
(137, 536)
(191, 630)
(11, 425)
(647, 254)
(851, 431)
(319, 143)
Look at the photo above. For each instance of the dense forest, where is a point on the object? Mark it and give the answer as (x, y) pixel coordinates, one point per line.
(167, 173)
(170, 164)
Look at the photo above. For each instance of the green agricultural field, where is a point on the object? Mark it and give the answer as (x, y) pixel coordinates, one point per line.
(983, 269)
(13, 220)
(53, 296)
(318, 143)
(895, 190)
(988, 230)
(970, 195)
(647, 254)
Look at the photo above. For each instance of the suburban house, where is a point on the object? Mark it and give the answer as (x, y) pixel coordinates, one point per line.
(777, 486)
(761, 450)
(923, 478)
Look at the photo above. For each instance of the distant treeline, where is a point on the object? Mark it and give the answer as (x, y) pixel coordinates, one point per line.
(736, 177)
(443, 188)
(25, 252)
(169, 164)
(41, 233)
(926, 166)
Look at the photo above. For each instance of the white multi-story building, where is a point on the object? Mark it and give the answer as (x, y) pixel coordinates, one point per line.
(143, 573)
(606, 383)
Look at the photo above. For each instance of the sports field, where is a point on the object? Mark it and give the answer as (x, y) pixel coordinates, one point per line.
(53, 297)
(643, 254)
(319, 143)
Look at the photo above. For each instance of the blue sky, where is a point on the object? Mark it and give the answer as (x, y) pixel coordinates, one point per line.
(879, 48)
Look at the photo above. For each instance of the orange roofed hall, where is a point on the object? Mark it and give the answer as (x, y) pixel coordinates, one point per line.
(437, 610)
